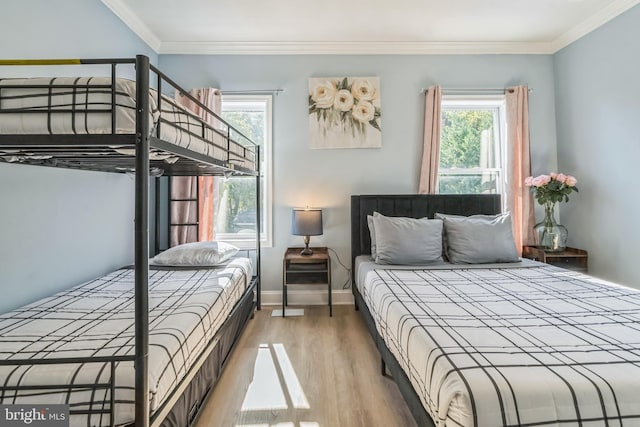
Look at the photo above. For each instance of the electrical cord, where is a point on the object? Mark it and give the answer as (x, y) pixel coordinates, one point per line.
(347, 283)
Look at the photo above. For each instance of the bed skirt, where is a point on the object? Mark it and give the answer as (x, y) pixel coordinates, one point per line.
(186, 409)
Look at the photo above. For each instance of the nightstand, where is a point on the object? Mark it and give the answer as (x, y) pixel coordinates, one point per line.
(312, 269)
(570, 258)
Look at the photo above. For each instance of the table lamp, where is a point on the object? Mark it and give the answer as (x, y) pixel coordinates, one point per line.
(306, 222)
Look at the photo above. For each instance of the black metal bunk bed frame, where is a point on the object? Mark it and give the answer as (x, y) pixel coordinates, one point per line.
(70, 151)
(413, 206)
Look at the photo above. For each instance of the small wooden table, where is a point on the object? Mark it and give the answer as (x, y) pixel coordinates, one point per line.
(312, 269)
(571, 258)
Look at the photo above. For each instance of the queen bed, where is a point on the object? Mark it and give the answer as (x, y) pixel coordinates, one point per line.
(497, 344)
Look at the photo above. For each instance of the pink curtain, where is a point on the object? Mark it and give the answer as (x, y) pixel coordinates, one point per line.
(191, 186)
(209, 97)
(518, 198)
(431, 148)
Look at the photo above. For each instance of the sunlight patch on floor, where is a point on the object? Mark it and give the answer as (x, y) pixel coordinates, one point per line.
(275, 384)
(284, 424)
(298, 398)
(265, 391)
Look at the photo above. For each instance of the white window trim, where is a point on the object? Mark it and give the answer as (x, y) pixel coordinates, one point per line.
(266, 238)
(491, 102)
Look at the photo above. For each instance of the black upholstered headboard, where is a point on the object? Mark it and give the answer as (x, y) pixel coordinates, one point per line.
(414, 206)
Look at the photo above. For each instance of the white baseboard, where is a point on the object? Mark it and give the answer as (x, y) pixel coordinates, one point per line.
(308, 297)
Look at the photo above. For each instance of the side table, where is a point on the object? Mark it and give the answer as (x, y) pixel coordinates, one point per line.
(312, 269)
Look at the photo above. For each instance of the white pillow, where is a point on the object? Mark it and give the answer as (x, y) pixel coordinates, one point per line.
(409, 241)
(205, 254)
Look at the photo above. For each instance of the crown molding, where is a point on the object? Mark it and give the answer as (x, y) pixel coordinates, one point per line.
(600, 18)
(120, 9)
(353, 48)
(135, 24)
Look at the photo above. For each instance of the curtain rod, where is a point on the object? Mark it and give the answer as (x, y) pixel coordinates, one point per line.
(471, 90)
(251, 91)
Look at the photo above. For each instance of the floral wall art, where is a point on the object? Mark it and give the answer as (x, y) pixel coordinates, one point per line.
(344, 112)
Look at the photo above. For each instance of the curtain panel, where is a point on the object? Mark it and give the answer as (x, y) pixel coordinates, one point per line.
(519, 200)
(431, 145)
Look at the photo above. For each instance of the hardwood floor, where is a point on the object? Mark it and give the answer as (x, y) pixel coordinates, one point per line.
(308, 371)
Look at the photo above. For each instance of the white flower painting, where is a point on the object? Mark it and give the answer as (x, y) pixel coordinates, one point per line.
(344, 112)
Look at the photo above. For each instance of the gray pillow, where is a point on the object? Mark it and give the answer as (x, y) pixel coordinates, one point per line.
(480, 239)
(401, 240)
(372, 233)
(442, 216)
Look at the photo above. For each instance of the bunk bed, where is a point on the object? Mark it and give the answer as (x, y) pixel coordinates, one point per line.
(500, 344)
(112, 124)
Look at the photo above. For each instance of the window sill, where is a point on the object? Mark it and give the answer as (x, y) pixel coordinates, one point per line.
(245, 243)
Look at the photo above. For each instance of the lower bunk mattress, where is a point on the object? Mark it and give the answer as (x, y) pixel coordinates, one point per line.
(96, 319)
(529, 345)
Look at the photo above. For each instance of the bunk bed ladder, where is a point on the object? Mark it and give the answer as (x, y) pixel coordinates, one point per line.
(176, 202)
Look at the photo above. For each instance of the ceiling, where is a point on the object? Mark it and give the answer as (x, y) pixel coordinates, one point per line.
(363, 26)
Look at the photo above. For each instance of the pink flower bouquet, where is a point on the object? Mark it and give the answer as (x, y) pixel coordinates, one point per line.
(552, 188)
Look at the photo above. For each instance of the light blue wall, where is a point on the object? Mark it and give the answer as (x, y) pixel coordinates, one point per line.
(598, 116)
(66, 29)
(302, 176)
(59, 228)
(326, 178)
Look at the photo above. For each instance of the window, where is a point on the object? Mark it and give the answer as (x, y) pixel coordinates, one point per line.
(471, 145)
(235, 197)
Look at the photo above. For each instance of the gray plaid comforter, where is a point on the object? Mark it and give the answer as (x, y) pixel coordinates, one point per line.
(505, 347)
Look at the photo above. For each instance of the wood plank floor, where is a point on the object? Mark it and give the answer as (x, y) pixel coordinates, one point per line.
(308, 371)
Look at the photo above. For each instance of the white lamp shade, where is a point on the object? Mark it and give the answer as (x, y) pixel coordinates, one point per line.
(306, 222)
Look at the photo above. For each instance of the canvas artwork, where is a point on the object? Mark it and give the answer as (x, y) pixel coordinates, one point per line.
(344, 112)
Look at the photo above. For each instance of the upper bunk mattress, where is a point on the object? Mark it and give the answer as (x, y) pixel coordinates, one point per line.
(82, 105)
(186, 309)
(511, 346)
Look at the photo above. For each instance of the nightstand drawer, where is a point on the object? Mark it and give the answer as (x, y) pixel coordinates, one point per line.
(571, 258)
(311, 273)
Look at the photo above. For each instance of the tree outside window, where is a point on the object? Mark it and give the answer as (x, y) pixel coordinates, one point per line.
(235, 197)
(470, 147)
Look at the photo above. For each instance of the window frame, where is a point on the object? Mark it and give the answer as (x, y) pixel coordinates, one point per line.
(266, 157)
(497, 103)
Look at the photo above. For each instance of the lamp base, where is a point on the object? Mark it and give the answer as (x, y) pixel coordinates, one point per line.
(307, 250)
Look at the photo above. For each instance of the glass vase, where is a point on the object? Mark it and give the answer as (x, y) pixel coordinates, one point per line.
(551, 236)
